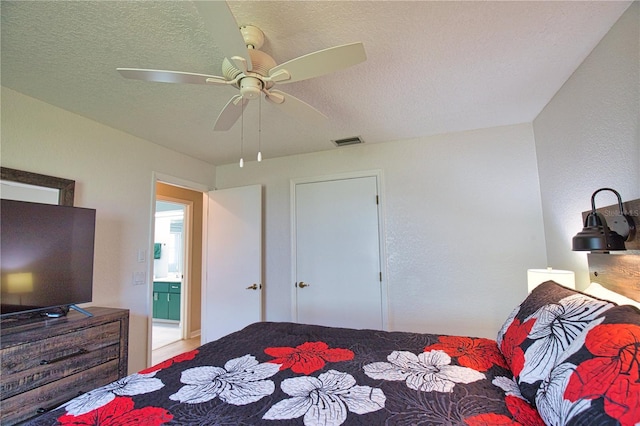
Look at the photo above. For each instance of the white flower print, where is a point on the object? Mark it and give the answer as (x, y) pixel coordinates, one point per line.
(553, 408)
(428, 371)
(556, 326)
(134, 384)
(325, 400)
(240, 382)
(509, 386)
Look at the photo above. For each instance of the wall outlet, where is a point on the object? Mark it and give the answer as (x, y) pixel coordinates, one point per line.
(139, 278)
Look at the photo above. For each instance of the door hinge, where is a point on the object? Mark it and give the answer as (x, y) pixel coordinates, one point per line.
(377, 200)
(380, 276)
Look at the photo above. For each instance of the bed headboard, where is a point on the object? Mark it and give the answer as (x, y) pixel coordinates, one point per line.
(620, 271)
(617, 272)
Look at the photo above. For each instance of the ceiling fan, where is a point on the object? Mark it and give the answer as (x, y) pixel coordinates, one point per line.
(252, 71)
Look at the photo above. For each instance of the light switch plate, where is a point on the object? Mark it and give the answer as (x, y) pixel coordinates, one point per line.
(139, 278)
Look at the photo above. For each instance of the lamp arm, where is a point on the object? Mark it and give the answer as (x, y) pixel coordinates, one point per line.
(593, 199)
(631, 233)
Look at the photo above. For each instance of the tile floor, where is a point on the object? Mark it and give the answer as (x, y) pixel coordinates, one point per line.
(164, 334)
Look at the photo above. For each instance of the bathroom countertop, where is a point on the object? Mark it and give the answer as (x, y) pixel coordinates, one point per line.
(167, 280)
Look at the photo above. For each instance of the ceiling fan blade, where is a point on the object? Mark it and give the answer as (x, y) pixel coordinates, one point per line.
(224, 29)
(319, 63)
(230, 113)
(295, 107)
(169, 76)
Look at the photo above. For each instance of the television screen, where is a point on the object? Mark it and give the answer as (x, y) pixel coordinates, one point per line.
(46, 256)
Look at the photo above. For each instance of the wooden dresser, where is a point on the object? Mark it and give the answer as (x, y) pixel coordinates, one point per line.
(46, 362)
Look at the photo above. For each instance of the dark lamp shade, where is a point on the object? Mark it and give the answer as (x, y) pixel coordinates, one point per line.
(596, 236)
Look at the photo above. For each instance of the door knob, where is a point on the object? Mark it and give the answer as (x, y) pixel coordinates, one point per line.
(253, 287)
(302, 284)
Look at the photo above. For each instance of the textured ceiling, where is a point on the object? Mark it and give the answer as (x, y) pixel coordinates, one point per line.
(432, 66)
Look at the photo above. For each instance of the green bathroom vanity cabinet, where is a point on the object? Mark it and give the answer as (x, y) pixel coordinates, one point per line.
(166, 300)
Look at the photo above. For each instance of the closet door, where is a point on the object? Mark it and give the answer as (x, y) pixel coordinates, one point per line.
(232, 294)
(337, 253)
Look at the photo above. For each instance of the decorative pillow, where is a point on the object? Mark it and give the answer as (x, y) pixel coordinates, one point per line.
(539, 330)
(597, 379)
(597, 290)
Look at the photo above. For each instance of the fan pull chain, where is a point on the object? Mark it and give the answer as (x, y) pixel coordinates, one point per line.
(259, 129)
(242, 137)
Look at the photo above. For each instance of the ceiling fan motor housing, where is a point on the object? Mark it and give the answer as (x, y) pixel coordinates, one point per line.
(252, 84)
(261, 62)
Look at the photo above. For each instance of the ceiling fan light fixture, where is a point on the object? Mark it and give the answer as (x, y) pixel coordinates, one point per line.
(250, 87)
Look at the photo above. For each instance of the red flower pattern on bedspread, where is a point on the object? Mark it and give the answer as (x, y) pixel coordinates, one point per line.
(307, 357)
(613, 373)
(186, 356)
(523, 415)
(491, 419)
(513, 338)
(119, 412)
(523, 412)
(478, 353)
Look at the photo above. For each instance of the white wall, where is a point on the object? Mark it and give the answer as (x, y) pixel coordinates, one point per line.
(588, 137)
(113, 173)
(463, 223)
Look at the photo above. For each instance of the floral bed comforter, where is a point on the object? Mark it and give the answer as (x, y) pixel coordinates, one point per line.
(293, 374)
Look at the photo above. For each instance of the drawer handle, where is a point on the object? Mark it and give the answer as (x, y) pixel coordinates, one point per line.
(62, 358)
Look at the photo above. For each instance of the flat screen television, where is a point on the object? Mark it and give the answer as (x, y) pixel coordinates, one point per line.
(46, 257)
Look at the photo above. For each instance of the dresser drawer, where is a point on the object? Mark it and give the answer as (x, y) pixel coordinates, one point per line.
(36, 363)
(45, 362)
(27, 404)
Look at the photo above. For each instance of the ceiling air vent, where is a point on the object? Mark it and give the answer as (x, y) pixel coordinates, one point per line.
(348, 141)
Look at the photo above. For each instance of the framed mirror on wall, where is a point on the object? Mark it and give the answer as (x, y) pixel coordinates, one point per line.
(27, 186)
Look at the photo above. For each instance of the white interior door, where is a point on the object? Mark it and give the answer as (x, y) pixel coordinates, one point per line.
(338, 275)
(232, 297)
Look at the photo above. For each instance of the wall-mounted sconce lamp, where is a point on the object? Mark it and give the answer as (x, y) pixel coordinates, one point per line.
(598, 236)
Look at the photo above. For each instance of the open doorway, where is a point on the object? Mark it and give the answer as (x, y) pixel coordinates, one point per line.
(177, 271)
(168, 273)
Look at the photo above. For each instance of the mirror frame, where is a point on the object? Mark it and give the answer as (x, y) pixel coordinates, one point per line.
(65, 187)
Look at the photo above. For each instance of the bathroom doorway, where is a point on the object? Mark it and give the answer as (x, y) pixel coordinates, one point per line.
(169, 284)
(177, 271)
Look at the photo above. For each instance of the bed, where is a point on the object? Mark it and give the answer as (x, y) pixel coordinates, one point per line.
(561, 357)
